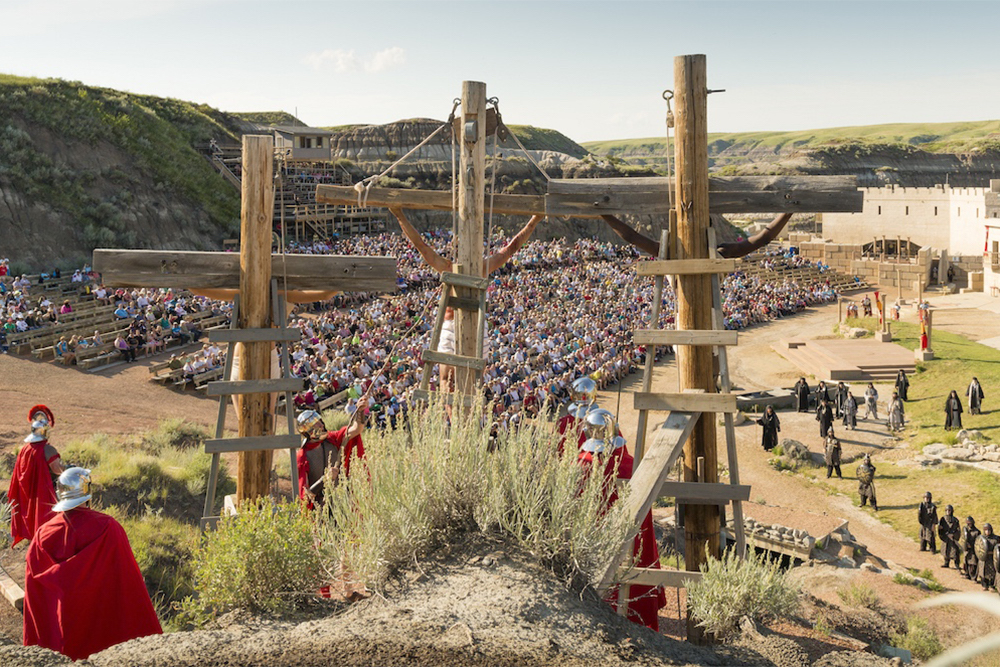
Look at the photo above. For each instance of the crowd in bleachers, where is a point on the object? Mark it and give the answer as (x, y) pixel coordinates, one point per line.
(556, 311)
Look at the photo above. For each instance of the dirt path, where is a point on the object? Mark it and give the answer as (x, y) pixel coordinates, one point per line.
(754, 365)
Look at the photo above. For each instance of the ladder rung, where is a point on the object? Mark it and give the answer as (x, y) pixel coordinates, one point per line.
(254, 335)
(685, 402)
(685, 267)
(465, 303)
(460, 280)
(454, 360)
(651, 576)
(687, 337)
(701, 493)
(444, 397)
(255, 444)
(229, 388)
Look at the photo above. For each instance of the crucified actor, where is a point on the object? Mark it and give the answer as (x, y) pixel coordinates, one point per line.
(726, 250)
(441, 265)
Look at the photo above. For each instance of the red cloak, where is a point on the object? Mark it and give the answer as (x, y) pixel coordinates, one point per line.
(354, 449)
(644, 601)
(83, 590)
(31, 491)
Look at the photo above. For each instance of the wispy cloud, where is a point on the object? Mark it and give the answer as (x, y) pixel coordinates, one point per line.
(344, 61)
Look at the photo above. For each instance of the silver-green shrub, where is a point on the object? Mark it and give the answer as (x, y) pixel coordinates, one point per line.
(731, 588)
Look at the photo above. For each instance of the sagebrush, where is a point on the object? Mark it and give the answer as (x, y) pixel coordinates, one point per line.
(732, 587)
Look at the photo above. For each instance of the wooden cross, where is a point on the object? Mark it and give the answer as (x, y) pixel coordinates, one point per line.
(695, 194)
(300, 277)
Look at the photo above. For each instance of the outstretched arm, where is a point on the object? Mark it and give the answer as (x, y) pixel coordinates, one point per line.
(433, 259)
(727, 250)
(632, 237)
(292, 296)
(768, 234)
(494, 262)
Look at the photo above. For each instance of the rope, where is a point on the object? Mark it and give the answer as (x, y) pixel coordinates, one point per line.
(388, 358)
(669, 95)
(364, 187)
(500, 123)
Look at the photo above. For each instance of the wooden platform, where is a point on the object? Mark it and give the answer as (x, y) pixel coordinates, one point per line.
(818, 526)
(848, 360)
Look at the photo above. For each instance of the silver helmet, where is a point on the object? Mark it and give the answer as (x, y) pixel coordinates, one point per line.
(601, 429)
(41, 420)
(583, 393)
(73, 489)
(310, 425)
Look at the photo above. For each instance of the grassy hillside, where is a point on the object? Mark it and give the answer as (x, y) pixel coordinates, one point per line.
(268, 117)
(931, 137)
(55, 135)
(541, 139)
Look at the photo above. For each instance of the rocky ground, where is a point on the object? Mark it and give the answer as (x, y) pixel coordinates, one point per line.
(462, 612)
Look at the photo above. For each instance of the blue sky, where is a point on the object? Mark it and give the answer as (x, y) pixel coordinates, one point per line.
(593, 70)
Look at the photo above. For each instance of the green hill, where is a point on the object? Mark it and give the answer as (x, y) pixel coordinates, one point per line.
(269, 117)
(83, 167)
(955, 137)
(541, 139)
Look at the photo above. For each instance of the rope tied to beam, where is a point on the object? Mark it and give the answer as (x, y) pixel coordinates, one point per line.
(363, 188)
(507, 130)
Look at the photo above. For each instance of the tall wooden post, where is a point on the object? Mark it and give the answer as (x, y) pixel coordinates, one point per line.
(694, 302)
(469, 235)
(254, 468)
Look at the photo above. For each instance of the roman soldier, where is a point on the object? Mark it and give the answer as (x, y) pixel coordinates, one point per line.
(321, 450)
(928, 519)
(970, 563)
(866, 482)
(83, 591)
(32, 490)
(986, 544)
(583, 397)
(949, 531)
(603, 448)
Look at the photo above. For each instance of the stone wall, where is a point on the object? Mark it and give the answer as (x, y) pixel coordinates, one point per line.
(846, 258)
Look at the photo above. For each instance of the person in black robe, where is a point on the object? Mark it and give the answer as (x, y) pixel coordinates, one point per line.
(987, 570)
(928, 519)
(970, 563)
(769, 420)
(902, 384)
(952, 411)
(840, 397)
(822, 392)
(832, 455)
(802, 395)
(824, 415)
(949, 531)
(975, 395)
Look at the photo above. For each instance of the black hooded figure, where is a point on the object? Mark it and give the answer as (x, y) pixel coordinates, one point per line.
(902, 384)
(952, 411)
(802, 395)
(772, 425)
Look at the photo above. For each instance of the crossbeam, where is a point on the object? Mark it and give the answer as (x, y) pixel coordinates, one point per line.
(221, 270)
(649, 576)
(685, 402)
(594, 197)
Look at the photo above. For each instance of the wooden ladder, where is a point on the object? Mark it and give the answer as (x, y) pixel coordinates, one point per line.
(649, 480)
(462, 300)
(225, 388)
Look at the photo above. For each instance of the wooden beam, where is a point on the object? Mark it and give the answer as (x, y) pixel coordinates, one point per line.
(459, 360)
(254, 335)
(685, 267)
(684, 402)
(694, 303)
(188, 269)
(468, 242)
(650, 576)
(460, 280)
(710, 492)
(428, 200)
(12, 592)
(261, 443)
(594, 197)
(675, 337)
(647, 480)
(249, 387)
(253, 470)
